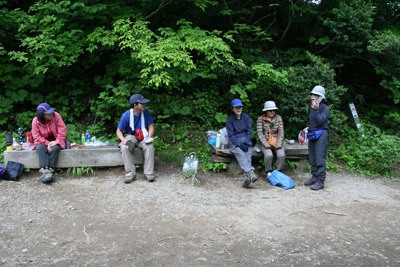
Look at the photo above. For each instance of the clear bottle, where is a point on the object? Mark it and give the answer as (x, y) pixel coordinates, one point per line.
(87, 136)
(218, 143)
(83, 139)
(15, 143)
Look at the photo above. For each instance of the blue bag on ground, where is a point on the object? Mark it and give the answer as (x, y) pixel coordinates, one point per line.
(278, 178)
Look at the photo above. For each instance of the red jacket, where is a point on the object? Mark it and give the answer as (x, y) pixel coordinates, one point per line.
(57, 125)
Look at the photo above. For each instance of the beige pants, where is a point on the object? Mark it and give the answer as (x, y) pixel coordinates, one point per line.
(269, 158)
(127, 156)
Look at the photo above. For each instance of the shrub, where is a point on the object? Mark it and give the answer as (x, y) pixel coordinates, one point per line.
(374, 154)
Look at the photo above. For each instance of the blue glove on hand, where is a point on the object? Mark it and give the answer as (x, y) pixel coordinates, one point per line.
(244, 147)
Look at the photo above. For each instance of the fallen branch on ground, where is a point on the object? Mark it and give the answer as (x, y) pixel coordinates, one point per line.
(335, 213)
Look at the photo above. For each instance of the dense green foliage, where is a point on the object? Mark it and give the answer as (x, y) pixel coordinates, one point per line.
(374, 154)
(192, 57)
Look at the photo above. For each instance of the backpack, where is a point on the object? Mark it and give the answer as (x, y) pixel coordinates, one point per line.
(13, 171)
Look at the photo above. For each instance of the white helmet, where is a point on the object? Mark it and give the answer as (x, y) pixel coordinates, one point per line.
(269, 105)
(318, 90)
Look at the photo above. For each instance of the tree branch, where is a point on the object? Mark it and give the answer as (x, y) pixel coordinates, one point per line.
(265, 17)
(322, 50)
(158, 9)
(230, 17)
(291, 12)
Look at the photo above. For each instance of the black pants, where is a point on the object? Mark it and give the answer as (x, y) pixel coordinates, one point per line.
(48, 158)
(317, 150)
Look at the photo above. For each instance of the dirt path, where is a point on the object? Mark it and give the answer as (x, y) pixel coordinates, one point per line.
(99, 221)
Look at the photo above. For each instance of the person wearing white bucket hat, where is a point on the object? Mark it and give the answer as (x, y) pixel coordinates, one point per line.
(271, 123)
(318, 138)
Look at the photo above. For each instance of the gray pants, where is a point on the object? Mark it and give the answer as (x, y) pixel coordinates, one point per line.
(269, 158)
(127, 156)
(317, 150)
(244, 158)
(48, 158)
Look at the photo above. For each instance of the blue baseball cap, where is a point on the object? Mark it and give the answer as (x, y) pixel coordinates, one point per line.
(44, 108)
(137, 98)
(236, 103)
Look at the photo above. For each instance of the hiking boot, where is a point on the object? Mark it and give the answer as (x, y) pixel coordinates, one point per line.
(130, 179)
(247, 179)
(150, 177)
(253, 177)
(312, 181)
(47, 176)
(268, 173)
(319, 184)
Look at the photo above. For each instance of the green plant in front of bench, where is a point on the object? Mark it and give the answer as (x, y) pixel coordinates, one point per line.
(291, 165)
(203, 154)
(77, 172)
(261, 164)
(192, 174)
(219, 166)
(3, 147)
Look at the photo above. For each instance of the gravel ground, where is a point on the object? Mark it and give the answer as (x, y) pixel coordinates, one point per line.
(99, 221)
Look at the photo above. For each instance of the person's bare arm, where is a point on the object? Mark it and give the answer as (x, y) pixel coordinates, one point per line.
(120, 135)
(151, 132)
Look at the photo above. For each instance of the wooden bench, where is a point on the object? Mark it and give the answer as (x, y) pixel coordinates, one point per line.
(90, 156)
(293, 152)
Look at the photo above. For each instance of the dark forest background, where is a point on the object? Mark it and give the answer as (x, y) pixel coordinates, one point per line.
(192, 57)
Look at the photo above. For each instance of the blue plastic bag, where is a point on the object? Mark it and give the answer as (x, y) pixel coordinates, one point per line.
(278, 178)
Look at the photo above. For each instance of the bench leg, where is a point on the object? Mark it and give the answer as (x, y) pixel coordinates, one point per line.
(234, 167)
(300, 168)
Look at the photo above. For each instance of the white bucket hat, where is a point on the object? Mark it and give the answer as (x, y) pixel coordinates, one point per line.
(269, 105)
(318, 90)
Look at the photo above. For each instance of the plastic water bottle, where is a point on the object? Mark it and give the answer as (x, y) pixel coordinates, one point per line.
(87, 136)
(218, 143)
(83, 139)
(14, 144)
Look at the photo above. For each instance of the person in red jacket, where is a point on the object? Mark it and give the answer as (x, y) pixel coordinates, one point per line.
(49, 134)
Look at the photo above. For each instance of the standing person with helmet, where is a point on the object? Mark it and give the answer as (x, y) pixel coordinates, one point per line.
(318, 113)
(239, 128)
(49, 134)
(271, 123)
(136, 128)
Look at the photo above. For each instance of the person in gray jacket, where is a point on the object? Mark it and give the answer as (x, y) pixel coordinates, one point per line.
(318, 138)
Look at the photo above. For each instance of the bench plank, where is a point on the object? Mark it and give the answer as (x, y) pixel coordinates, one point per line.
(101, 156)
(293, 152)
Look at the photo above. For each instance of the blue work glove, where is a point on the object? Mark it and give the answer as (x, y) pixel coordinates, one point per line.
(244, 147)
